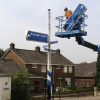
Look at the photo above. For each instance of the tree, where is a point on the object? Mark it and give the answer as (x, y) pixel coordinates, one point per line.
(21, 86)
(98, 71)
(1, 52)
(20, 77)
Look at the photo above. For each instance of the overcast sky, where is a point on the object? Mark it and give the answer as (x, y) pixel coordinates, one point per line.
(19, 16)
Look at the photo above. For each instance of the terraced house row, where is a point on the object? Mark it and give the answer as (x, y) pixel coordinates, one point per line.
(64, 72)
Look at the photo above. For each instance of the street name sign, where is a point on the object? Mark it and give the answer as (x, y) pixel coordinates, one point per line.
(36, 36)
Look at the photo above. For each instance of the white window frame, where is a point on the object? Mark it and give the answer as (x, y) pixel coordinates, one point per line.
(68, 80)
(43, 68)
(50, 68)
(84, 83)
(80, 82)
(70, 69)
(34, 65)
(76, 83)
(88, 83)
(65, 69)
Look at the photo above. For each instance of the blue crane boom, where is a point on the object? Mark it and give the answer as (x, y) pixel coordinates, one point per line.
(82, 42)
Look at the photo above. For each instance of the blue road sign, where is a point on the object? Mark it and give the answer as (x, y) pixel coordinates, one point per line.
(36, 36)
(46, 46)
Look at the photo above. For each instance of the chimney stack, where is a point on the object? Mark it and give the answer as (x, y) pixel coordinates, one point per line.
(12, 46)
(58, 51)
(37, 49)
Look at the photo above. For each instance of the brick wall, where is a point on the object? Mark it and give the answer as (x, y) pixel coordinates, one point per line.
(11, 55)
(84, 82)
(57, 73)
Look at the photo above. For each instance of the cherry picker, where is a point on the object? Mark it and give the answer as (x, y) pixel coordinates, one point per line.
(66, 28)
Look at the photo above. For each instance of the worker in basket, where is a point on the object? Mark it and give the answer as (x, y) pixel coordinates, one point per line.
(68, 13)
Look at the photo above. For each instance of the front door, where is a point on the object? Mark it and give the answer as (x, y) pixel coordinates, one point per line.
(59, 83)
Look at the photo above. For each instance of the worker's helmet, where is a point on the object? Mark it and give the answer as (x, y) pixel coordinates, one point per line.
(65, 9)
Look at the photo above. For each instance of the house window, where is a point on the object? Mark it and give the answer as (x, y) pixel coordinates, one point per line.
(75, 83)
(84, 83)
(57, 67)
(68, 82)
(70, 69)
(65, 69)
(45, 83)
(43, 68)
(80, 82)
(34, 66)
(50, 68)
(88, 83)
(36, 83)
(6, 83)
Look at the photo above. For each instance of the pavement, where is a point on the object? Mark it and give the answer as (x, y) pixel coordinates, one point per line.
(80, 98)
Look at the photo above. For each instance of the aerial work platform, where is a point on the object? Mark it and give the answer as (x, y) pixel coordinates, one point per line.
(74, 27)
(72, 33)
(68, 29)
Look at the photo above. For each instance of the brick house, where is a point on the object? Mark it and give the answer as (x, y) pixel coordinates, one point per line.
(85, 75)
(36, 63)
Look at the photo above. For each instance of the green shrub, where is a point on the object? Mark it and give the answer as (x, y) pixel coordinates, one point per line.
(63, 90)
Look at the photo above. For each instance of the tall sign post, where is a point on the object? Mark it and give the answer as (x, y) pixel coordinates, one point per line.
(41, 37)
(49, 59)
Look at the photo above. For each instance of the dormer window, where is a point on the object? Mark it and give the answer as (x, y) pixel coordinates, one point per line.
(34, 66)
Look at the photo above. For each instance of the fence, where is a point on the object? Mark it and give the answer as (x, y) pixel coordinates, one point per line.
(74, 93)
(25, 91)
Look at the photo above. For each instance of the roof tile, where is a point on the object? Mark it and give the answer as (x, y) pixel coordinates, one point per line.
(8, 66)
(85, 70)
(31, 56)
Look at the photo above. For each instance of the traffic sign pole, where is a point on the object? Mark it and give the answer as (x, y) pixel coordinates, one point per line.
(40, 37)
(49, 59)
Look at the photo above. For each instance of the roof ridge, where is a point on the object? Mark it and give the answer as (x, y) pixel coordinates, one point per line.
(26, 50)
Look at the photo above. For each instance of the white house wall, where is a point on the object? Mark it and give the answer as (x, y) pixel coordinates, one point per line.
(1, 88)
(5, 88)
